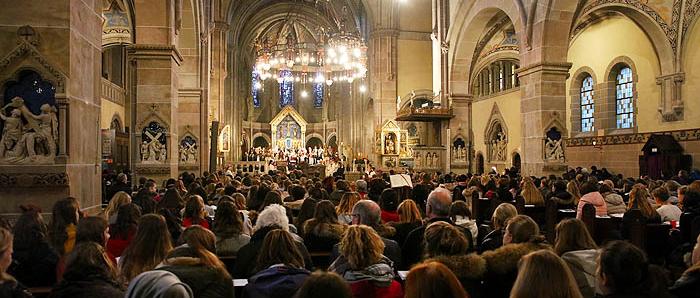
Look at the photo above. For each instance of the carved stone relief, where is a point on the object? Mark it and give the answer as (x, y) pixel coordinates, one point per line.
(154, 144)
(188, 150)
(28, 138)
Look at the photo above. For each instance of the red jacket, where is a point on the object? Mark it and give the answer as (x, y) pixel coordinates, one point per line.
(390, 216)
(188, 222)
(116, 245)
(366, 289)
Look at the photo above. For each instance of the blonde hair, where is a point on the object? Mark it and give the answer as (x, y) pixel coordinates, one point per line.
(503, 213)
(638, 200)
(572, 188)
(530, 193)
(544, 274)
(118, 199)
(408, 212)
(361, 246)
(347, 202)
(5, 243)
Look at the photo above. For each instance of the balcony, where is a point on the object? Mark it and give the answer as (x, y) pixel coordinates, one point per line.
(112, 92)
(423, 105)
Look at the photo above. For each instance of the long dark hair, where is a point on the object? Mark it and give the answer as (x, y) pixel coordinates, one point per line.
(87, 259)
(325, 212)
(279, 248)
(628, 272)
(150, 246)
(203, 243)
(228, 222)
(127, 220)
(64, 215)
(30, 229)
(194, 209)
(306, 211)
(389, 200)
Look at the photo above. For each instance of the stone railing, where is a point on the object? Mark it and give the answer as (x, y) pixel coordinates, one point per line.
(112, 92)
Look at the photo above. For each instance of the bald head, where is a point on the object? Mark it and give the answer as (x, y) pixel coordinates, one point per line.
(439, 202)
(366, 213)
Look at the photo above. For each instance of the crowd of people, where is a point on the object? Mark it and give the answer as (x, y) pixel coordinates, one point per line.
(382, 242)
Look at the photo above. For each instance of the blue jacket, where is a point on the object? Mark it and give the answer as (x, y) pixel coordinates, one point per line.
(276, 281)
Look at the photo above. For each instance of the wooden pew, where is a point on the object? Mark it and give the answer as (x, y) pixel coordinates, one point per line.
(40, 292)
(229, 262)
(321, 259)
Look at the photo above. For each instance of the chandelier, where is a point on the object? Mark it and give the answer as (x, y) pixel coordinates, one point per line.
(337, 55)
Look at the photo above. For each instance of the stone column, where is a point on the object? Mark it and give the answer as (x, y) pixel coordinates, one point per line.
(156, 86)
(543, 93)
(217, 86)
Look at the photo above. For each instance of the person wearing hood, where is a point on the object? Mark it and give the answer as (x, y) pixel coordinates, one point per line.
(196, 264)
(280, 268)
(522, 236)
(158, 284)
(362, 264)
(615, 203)
(446, 244)
(576, 247)
(89, 273)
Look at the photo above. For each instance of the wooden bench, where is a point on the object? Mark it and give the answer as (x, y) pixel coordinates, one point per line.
(40, 291)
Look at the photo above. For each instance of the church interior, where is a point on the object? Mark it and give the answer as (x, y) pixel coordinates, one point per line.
(351, 89)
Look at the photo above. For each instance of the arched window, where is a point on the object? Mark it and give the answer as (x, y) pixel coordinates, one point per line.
(624, 99)
(496, 77)
(318, 95)
(286, 88)
(255, 88)
(587, 105)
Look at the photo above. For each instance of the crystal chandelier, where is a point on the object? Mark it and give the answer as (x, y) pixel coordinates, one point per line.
(336, 56)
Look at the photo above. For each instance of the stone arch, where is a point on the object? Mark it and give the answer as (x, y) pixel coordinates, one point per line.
(309, 136)
(117, 123)
(472, 18)
(609, 93)
(479, 162)
(263, 136)
(496, 121)
(515, 159)
(575, 94)
(118, 27)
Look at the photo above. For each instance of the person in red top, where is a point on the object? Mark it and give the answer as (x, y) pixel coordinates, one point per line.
(123, 231)
(389, 201)
(195, 214)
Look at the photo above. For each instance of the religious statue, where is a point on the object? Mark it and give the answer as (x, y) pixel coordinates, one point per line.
(183, 153)
(553, 149)
(33, 142)
(151, 148)
(390, 144)
(435, 160)
(498, 147)
(418, 160)
(162, 151)
(428, 160)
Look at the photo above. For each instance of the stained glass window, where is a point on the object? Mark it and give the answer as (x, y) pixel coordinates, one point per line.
(587, 105)
(318, 95)
(255, 88)
(286, 88)
(624, 104)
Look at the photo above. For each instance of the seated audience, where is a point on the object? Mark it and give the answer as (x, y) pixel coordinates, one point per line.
(437, 209)
(323, 230)
(228, 228)
(576, 247)
(388, 201)
(613, 201)
(341, 187)
(280, 267)
(446, 244)
(34, 260)
(150, 246)
(64, 223)
(689, 283)
(624, 271)
(503, 213)
(306, 212)
(89, 273)
(172, 201)
(119, 199)
(196, 265)
(573, 188)
(666, 210)
(433, 280)
(362, 264)
(460, 214)
(409, 219)
(543, 274)
(272, 218)
(122, 232)
(321, 284)
(146, 198)
(560, 195)
(530, 193)
(158, 284)
(9, 286)
(590, 195)
(639, 199)
(344, 209)
(522, 236)
(94, 229)
(195, 213)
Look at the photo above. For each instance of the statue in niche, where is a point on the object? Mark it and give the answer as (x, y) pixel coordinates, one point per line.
(390, 144)
(553, 149)
(33, 142)
(498, 147)
(418, 160)
(428, 160)
(435, 160)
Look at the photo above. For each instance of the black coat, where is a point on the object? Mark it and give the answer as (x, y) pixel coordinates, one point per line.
(247, 256)
(420, 194)
(688, 285)
(86, 284)
(35, 266)
(117, 187)
(11, 289)
(412, 248)
(492, 241)
(205, 282)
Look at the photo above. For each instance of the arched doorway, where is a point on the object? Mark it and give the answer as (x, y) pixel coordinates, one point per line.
(260, 141)
(516, 161)
(333, 143)
(314, 142)
(479, 163)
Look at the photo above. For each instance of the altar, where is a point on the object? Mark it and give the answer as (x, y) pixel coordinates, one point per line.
(288, 130)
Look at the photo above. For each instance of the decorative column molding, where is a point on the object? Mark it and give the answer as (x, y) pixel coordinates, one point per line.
(671, 105)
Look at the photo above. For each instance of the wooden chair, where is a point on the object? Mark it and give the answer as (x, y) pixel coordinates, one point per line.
(633, 227)
(552, 215)
(229, 262)
(40, 292)
(321, 259)
(588, 218)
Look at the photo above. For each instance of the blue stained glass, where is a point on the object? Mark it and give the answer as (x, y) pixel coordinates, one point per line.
(286, 88)
(587, 105)
(624, 104)
(318, 95)
(255, 89)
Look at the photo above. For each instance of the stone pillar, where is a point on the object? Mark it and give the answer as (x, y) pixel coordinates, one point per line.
(543, 93)
(156, 87)
(217, 86)
(61, 41)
